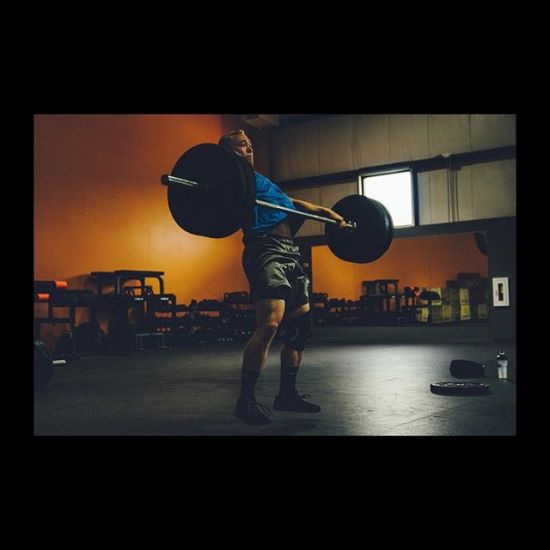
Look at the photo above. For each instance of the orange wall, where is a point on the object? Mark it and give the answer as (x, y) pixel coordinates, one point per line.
(414, 261)
(99, 204)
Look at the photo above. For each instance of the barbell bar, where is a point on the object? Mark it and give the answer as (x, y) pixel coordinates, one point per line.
(166, 179)
(212, 193)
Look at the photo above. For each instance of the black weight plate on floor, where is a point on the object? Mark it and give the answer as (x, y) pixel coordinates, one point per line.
(460, 388)
(462, 368)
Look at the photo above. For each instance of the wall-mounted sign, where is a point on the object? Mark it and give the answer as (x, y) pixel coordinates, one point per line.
(501, 296)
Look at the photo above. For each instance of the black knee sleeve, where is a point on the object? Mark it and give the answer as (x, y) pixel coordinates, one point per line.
(298, 331)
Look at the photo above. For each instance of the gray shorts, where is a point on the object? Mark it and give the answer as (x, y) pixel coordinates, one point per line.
(273, 266)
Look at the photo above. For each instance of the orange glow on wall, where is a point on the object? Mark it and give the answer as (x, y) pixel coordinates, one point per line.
(414, 261)
(99, 204)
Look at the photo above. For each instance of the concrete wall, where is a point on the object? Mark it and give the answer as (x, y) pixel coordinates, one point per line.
(99, 205)
(486, 190)
(350, 142)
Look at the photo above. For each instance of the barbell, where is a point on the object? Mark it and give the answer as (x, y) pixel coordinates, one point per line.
(212, 193)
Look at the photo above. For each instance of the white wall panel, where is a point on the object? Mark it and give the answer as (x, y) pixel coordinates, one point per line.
(424, 199)
(278, 151)
(371, 144)
(465, 194)
(408, 137)
(335, 144)
(439, 197)
(489, 131)
(494, 189)
(448, 134)
(303, 149)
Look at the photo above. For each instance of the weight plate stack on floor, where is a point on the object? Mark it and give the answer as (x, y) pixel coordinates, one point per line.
(460, 388)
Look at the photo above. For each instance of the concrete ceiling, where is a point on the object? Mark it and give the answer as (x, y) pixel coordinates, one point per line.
(288, 119)
(269, 120)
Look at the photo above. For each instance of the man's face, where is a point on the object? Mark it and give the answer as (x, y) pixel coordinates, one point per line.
(240, 143)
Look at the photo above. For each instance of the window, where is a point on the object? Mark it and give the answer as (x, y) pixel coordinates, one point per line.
(395, 191)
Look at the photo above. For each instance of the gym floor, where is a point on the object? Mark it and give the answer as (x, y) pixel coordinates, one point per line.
(371, 381)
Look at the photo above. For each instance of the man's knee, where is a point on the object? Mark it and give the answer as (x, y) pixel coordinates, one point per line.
(268, 330)
(269, 313)
(298, 330)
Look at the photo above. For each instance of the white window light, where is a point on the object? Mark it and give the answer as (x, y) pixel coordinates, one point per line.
(395, 191)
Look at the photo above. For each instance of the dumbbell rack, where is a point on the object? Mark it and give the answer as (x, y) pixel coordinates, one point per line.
(124, 298)
(241, 314)
(382, 298)
(57, 296)
(319, 302)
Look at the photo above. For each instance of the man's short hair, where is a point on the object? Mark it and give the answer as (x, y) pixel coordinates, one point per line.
(227, 137)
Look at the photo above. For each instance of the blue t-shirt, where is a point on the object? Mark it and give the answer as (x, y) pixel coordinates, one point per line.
(265, 219)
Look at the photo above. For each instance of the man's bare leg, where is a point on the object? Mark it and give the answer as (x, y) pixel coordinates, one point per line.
(291, 359)
(269, 314)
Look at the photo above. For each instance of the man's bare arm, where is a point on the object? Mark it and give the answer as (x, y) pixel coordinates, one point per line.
(319, 210)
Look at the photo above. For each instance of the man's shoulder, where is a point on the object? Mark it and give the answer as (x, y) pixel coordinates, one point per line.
(261, 180)
(260, 177)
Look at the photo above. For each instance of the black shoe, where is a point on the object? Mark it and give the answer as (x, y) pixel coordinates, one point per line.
(252, 412)
(295, 403)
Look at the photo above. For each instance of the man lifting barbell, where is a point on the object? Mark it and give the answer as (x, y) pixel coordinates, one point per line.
(213, 191)
(279, 289)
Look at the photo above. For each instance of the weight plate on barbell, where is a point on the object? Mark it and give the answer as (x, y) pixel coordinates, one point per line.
(388, 223)
(372, 237)
(224, 200)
